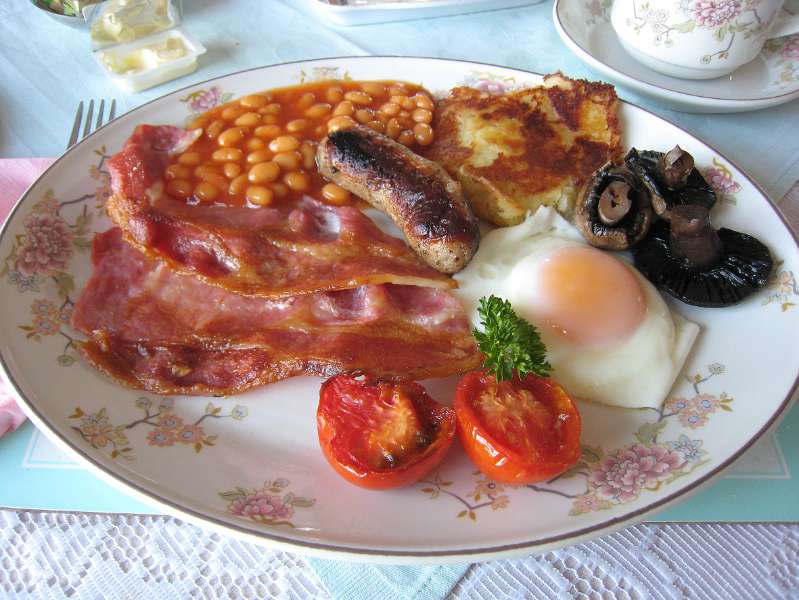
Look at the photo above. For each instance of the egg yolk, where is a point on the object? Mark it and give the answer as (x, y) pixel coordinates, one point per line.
(585, 296)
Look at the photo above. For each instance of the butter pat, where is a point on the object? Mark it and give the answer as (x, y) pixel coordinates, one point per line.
(147, 57)
(121, 21)
(149, 62)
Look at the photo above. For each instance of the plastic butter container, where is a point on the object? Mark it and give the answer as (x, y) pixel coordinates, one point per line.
(139, 44)
(150, 61)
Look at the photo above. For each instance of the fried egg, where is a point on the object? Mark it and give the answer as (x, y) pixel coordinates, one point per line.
(609, 334)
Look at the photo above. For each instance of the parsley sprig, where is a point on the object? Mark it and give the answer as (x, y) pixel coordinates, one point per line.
(509, 342)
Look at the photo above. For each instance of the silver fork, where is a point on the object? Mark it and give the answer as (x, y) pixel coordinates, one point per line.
(89, 124)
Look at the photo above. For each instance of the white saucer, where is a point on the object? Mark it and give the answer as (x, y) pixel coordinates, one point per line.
(771, 79)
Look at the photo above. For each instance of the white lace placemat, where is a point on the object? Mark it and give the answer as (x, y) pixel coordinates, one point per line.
(85, 556)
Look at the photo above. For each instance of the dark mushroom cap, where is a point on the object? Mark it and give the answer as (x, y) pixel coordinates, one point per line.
(744, 266)
(613, 210)
(696, 190)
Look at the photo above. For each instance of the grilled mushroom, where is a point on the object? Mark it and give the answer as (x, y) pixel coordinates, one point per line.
(693, 262)
(613, 209)
(671, 179)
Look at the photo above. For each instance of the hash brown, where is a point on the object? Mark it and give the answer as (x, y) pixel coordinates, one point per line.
(517, 151)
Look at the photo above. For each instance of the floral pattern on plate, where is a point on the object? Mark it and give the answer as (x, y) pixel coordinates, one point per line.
(597, 11)
(489, 82)
(322, 74)
(41, 255)
(166, 427)
(619, 475)
(202, 100)
(783, 54)
(782, 288)
(486, 494)
(271, 504)
(721, 180)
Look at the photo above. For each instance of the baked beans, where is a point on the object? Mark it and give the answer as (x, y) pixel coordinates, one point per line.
(227, 155)
(297, 181)
(189, 158)
(255, 144)
(232, 136)
(261, 148)
(258, 156)
(248, 119)
(423, 134)
(232, 113)
(284, 143)
(254, 101)
(335, 194)
(288, 161)
(238, 186)
(206, 191)
(345, 108)
(296, 125)
(268, 131)
(341, 122)
(334, 94)
(180, 188)
(232, 170)
(177, 171)
(259, 195)
(318, 110)
(264, 172)
(360, 98)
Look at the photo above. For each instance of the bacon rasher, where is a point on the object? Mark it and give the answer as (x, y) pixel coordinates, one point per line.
(153, 328)
(270, 252)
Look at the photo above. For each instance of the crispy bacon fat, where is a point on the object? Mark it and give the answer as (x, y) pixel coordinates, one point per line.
(153, 328)
(269, 252)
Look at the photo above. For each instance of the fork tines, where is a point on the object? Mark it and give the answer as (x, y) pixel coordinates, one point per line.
(88, 124)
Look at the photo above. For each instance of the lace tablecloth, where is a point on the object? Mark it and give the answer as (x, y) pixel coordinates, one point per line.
(65, 555)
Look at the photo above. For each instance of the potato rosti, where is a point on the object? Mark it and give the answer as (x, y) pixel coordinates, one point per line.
(517, 151)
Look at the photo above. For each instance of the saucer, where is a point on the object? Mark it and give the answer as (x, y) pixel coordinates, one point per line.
(771, 79)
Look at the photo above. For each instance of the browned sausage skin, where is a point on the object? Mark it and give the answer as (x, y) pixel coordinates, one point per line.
(418, 194)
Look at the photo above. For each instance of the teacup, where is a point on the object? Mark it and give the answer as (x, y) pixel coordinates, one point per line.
(698, 39)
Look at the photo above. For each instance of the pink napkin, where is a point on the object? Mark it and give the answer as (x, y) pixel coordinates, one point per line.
(16, 174)
(11, 416)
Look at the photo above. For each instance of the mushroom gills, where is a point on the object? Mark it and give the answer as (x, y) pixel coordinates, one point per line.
(613, 211)
(664, 175)
(743, 267)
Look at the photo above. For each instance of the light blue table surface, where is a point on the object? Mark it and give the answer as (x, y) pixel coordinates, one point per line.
(46, 68)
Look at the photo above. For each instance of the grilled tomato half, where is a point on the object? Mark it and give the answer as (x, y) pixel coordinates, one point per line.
(517, 431)
(382, 434)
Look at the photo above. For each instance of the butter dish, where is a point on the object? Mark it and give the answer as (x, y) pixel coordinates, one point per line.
(151, 60)
(140, 43)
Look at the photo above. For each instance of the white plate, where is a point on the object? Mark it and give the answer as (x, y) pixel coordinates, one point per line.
(737, 382)
(769, 80)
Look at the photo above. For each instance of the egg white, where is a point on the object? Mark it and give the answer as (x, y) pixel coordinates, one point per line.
(634, 372)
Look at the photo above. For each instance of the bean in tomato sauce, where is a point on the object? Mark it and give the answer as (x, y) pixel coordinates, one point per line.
(260, 149)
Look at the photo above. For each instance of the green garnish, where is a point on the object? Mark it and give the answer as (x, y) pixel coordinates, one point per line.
(509, 342)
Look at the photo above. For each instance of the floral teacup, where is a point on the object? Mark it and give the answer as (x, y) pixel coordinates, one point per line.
(698, 39)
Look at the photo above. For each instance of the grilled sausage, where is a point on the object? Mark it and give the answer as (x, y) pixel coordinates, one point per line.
(418, 195)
